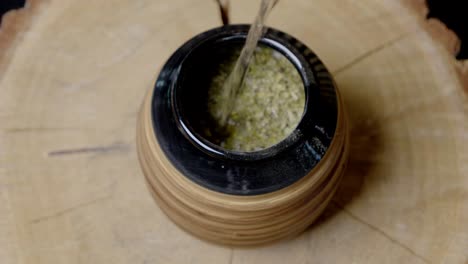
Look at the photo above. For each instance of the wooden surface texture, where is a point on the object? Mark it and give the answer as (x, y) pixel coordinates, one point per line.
(74, 73)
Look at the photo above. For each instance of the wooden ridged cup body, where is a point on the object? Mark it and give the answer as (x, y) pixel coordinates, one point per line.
(241, 198)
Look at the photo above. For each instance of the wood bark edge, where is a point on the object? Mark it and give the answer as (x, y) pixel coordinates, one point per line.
(14, 24)
(441, 34)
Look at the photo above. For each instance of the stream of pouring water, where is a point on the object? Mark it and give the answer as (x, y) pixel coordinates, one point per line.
(235, 79)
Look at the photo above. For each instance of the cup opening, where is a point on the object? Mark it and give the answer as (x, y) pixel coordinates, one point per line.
(190, 94)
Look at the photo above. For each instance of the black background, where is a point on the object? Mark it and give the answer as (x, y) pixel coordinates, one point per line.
(451, 12)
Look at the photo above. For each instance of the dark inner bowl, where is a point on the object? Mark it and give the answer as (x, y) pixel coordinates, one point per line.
(190, 94)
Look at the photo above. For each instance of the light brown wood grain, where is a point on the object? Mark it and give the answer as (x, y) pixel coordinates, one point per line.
(71, 190)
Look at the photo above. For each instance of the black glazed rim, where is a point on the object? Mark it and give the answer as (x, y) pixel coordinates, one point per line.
(246, 173)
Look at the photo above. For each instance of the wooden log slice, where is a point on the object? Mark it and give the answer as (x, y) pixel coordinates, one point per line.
(74, 74)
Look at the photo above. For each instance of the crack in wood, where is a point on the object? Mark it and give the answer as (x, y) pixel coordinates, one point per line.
(37, 129)
(381, 232)
(370, 53)
(69, 210)
(224, 11)
(88, 150)
(231, 256)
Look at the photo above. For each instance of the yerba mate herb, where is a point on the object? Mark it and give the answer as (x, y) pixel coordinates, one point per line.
(267, 108)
